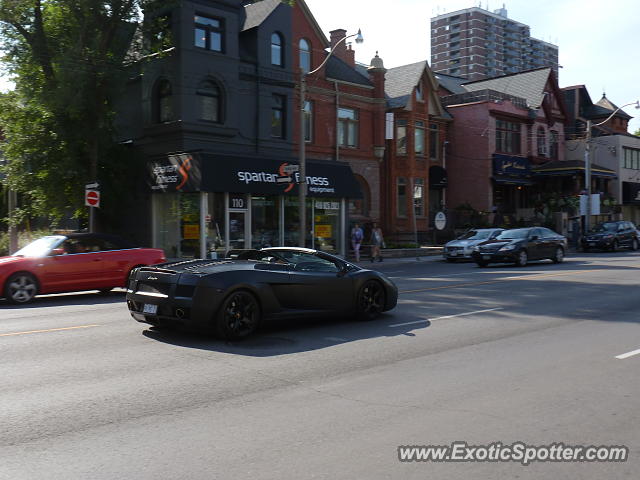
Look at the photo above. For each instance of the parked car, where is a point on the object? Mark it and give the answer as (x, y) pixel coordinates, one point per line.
(462, 247)
(66, 263)
(520, 245)
(232, 296)
(611, 236)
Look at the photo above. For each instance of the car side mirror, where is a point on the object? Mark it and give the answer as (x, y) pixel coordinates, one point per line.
(57, 251)
(534, 237)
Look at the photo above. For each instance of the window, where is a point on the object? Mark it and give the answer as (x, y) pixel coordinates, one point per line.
(209, 33)
(401, 197)
(347, 127)
(360, 206)
(401, 137)
(434, 142)
(278, 116)
(308, 121)
(277, 57)
(418, 142)
(210, 101)
(305, 55)
(418, 197)
(631, 158)
(542, 142)
(164, 102)
(553, 145)
(507, 137)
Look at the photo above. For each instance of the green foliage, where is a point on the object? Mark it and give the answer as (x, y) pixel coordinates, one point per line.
(24, 237)
(69, 60)
(637, 133)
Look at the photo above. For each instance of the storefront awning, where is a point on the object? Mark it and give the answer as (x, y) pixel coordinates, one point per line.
(503, 180)
(571, 167)
(208, 172)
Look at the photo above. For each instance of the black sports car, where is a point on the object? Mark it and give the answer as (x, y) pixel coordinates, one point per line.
(233, 295)
(520, 245)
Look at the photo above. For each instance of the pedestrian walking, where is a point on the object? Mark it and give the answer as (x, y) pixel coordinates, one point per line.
(356, 240)
(377, 242)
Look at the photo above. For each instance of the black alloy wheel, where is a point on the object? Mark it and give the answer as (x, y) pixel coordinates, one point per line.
(559, 256)
(20, 288)
(522, 259)
(239, 316)
(371, 300)
(634, 244)
(614, 246)
(482, 263)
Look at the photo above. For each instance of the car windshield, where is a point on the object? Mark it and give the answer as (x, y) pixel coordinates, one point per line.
(513, 234)
(606, 227)
(475, 235)
(40, 247)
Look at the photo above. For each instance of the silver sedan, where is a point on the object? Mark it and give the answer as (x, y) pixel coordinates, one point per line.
(461, 247)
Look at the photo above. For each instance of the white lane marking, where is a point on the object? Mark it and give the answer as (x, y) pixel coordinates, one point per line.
(628, 354)
(445, 316)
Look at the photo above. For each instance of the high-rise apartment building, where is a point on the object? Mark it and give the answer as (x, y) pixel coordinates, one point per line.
(476, 44)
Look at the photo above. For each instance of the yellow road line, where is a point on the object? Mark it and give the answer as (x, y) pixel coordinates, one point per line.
(47, 330)
(524, 277)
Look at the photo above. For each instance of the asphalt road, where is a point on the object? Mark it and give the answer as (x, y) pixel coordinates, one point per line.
(499, 354)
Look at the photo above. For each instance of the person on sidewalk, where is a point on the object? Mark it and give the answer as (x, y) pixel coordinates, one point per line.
(356, 240)
(377, 242)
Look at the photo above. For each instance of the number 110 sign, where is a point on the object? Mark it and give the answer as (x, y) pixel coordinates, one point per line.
(238, 201)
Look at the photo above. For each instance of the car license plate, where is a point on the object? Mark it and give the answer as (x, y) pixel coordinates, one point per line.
(486, 257)
(592, 244)
(150, 309)
(453, 254)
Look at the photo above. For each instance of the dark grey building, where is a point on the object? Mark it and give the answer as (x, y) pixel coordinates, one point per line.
(476, 44)
(212, 118)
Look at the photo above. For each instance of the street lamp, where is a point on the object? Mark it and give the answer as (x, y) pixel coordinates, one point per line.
(587, 161)
(302, 179)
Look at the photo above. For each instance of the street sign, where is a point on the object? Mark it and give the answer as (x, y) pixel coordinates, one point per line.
(92, 186)
(92, 198)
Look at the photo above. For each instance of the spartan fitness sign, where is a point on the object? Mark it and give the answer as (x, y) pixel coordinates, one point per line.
(222, 173)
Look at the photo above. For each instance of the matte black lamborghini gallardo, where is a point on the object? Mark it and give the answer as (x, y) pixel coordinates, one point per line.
(232, 296)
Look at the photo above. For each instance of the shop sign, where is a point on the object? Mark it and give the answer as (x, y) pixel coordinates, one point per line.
(327, 205)
(324, 231)
(176, 173)
(507, 165)
(238, 201)
(191, 231)
(440, 221)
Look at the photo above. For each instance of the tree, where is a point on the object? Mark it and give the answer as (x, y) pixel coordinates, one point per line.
(69, 59)
(637, 133)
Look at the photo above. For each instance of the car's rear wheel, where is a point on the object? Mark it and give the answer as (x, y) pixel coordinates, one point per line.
(20, 288)
(522, 258)
(634, 244)
(559, 255)
(239, 316)
(371, 300)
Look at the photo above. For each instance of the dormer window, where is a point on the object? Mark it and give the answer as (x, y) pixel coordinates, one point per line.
(277, 57)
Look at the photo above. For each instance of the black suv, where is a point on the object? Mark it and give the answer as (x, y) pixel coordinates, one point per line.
(611, 236)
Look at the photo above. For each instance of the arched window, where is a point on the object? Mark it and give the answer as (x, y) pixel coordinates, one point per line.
(542, 142)
(210, 101)
(164, 102)
(277, 57)
(305, 55)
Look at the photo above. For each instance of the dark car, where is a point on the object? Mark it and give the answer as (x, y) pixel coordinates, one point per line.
(73, 262)
(520, 245)
(232, 296)
(611, 236)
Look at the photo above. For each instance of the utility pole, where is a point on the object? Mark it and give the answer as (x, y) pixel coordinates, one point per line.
(13, 231)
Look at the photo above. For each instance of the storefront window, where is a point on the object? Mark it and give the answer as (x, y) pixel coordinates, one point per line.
(292, 222)
(265, 216)
(177, 228)
(215, 225)
(326, 225)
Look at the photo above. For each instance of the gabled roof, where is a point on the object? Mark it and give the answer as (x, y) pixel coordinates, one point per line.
(607, 104)
(258, 12)
(529, 85)
(338, 69)
(400, 82)
(451, 83)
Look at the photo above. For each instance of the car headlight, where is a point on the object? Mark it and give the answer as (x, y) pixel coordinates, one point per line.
(507, 247)
(475, 249)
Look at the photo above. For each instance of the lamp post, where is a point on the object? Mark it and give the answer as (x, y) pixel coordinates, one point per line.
(587, 161)
(302, 179)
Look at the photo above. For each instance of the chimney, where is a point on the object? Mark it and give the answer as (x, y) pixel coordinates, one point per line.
(343, 52)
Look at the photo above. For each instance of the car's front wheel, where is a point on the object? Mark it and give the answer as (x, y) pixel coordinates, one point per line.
(559, 255)
(371, 300)
(21, 288)
(634, 244)
(239, 316)
(522, 258)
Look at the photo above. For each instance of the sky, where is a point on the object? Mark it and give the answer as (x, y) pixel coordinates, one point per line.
(599, 42)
